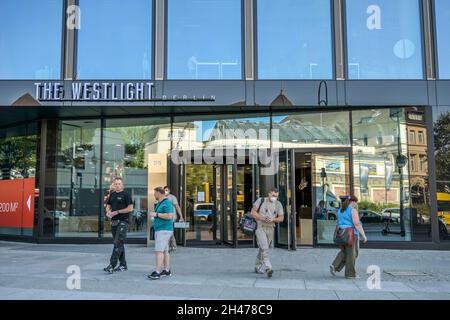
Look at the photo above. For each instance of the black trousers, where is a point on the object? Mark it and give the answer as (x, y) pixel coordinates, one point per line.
(119, 233)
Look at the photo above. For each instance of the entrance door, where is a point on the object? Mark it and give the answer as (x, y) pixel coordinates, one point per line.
(214, 198)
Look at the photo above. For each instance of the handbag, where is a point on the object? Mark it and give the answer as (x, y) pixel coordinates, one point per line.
(248, 223)
(344, 236)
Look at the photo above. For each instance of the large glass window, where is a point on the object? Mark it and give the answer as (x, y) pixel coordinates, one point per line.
(204, 39)
(441, 116)
(137, 151)
(115, 39)
(382, 188)
(442, 11)
(30, 39)
(294, 39)
(77, 207)
(384, 39)
(18, 179)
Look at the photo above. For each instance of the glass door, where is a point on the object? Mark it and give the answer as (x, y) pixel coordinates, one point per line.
(229, 208)
(331, 179)
(284, 182)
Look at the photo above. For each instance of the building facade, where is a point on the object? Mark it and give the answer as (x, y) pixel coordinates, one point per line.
(222, 100)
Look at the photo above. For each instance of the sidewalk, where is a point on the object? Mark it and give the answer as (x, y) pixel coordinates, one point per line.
(30, 271)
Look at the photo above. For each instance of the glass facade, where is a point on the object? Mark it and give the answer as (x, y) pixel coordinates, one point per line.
(442, 13)
(30, 39)
(19, 150)
(294, 39)
(384, 39)
(115, 40)
(204, 39)
(380, 155)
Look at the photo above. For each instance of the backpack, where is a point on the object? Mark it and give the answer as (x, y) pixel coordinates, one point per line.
(248, 223)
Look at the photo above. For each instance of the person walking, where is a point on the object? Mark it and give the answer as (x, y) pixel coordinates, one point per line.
(174, 200)
(266, 211)
(163, 225)
(176, 211)
(118, 208)
(320, 215)
(348, 217)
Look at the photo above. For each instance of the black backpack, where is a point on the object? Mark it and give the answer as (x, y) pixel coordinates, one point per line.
(248, 223)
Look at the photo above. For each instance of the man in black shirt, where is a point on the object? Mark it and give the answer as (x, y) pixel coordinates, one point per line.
(118, 209)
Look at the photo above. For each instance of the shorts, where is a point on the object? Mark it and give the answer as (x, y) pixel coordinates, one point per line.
(162, 240)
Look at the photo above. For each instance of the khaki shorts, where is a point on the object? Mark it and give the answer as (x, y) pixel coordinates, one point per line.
(162, 240)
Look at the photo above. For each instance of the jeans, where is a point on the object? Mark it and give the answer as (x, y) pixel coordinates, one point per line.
(119, 233)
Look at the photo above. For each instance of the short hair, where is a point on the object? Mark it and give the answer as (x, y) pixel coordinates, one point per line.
(117, 178)
(160, 190)
(166, 187)
(272, 190)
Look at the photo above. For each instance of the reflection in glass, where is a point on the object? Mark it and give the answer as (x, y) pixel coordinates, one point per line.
(418, 173)
(381, 187)
(294, 39)
(18, 161)
(137, 151)
(312, 130)
(442, 159)
(199, 199)
(384, 39)
(76, 210)
(115, 39)
(30, 39)
(204, 39)
(330, 179)
(442, 12)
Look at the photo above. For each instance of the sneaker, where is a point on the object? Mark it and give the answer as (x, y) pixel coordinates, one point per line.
(332, 271)
(121, 268)
(154, 276)
(257, 270)
(109, 269)
(166, 273)
(269, 273)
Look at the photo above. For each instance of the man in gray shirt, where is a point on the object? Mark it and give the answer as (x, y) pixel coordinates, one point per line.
(176, 212)
(266, 211)
(174, 200)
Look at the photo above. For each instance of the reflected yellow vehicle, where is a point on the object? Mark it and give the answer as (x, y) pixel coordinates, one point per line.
(443, 200)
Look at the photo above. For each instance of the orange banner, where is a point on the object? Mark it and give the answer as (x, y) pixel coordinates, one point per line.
(17, 203)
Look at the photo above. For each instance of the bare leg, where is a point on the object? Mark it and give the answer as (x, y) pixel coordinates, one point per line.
(167, 260)
(159, 261)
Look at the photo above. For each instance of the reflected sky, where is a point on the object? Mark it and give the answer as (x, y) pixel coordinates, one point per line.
(115, 39)
(384, 39)
(442, 9)
(204, 39)
(30, 39)
(294, 39)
